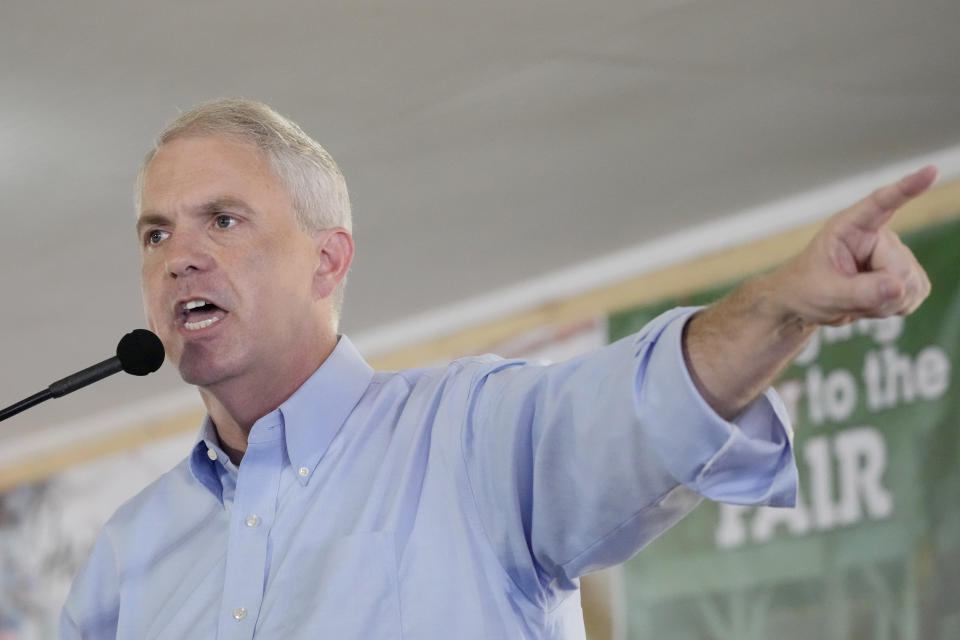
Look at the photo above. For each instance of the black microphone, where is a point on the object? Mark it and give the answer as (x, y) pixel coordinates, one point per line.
(139, 352)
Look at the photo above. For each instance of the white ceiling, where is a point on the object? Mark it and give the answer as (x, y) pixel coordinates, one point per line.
(484, 143)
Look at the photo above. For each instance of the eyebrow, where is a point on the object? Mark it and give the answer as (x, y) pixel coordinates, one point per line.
(227, 202)
(151, 218)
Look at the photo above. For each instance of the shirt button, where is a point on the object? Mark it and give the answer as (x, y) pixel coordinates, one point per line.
(211, 454)
(253, 520)
(239, 613)
(304, 472)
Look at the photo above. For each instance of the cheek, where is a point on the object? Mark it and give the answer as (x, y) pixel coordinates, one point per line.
(285, 269)
(149, 293)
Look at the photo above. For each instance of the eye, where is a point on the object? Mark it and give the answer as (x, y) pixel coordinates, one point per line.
(156, 236)
(223, 221)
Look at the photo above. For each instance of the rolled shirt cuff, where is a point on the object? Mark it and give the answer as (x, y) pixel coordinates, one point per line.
(748, 460)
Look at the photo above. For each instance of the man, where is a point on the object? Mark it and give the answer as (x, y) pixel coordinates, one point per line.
(325, 500)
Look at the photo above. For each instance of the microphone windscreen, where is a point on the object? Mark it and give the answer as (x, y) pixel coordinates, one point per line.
(140, 352)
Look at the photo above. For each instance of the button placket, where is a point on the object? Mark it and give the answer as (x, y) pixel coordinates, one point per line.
(254, 503)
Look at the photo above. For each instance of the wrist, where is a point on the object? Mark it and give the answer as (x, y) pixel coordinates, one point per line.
(776, 304)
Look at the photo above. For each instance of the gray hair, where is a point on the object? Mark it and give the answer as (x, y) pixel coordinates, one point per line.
(313, 180)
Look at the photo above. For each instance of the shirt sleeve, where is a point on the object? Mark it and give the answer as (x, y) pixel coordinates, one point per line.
(576, 466)
(92, 608)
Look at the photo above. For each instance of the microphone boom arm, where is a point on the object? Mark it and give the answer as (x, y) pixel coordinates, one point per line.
(25, 404)
(139, 353)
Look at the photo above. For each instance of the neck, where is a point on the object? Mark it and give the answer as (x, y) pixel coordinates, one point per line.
(236, 404)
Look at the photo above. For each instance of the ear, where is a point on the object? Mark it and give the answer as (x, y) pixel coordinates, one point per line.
(334, 251)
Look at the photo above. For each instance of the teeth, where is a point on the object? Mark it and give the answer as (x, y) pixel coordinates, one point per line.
(193, 326)
(193, 304)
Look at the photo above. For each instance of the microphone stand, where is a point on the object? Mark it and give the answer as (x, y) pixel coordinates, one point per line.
(64, 386)
(25, 404)
(138, 353)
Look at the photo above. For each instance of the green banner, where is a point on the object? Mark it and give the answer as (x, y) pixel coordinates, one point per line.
(873, 548)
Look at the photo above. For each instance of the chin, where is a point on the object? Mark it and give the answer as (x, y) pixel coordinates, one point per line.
(198, 376)
(204, 370)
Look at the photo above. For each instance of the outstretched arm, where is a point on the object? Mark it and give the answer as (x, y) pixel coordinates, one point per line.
(854, 268)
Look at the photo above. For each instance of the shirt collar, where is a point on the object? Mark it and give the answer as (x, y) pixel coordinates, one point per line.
(311, 417)
(316, 411)
(204, 457)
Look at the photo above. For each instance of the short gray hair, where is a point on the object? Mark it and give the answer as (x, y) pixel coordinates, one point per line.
(314, 182)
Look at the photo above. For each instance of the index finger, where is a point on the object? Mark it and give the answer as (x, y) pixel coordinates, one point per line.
(872, 212)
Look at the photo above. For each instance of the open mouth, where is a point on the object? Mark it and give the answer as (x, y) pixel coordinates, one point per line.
(199, 314)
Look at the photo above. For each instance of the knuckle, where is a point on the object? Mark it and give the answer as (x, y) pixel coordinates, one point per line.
(913, 286)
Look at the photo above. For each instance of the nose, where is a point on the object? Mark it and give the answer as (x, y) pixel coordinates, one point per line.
(187, 253)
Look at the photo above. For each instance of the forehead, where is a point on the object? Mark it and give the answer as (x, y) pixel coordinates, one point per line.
(194, 169)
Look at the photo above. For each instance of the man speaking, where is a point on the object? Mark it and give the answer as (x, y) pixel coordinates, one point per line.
(325, 500)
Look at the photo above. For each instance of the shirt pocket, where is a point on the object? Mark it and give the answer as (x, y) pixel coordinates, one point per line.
(345, 589)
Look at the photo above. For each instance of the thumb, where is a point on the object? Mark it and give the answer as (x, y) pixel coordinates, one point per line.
(868, 293)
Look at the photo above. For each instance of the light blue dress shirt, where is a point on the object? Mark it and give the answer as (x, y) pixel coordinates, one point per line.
(457, 502)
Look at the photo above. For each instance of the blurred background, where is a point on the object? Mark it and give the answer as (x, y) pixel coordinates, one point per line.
(527, 177)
